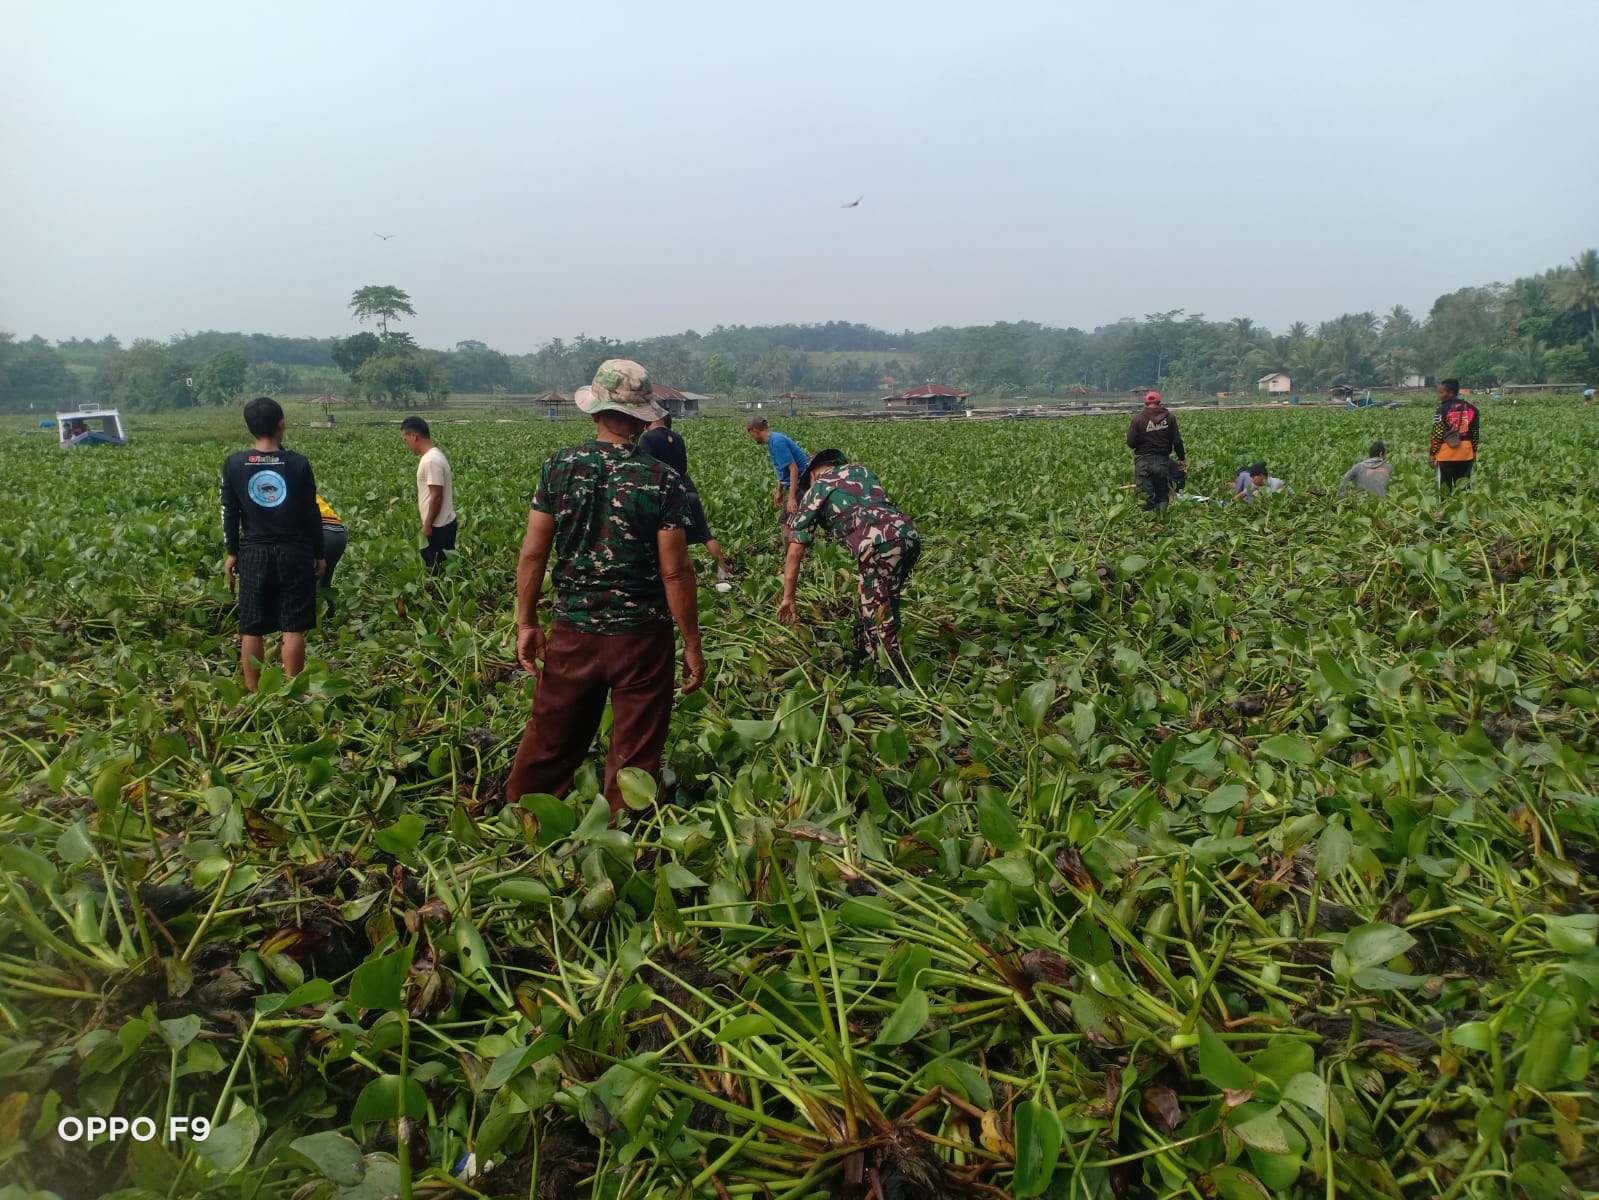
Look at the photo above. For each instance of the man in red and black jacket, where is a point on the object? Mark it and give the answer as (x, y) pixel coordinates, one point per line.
(1452, 448)
(1153, 438)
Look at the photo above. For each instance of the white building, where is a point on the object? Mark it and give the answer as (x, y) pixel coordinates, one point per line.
(1276, 383)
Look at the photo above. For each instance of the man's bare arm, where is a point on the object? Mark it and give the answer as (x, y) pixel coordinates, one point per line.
(531, 565)
(683, 598)
(791, 569)
(682, 589)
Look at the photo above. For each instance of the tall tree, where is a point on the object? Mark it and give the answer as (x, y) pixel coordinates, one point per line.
(1165, 337)
(434, 380)
(1526, 362)
(1460, 320)
(721, 377)
(221, 377)
(32, 373)
(1527, 299)
(349, 353)
(1348, 343)
(269, 379)
(382, 303)
(773, 371)
(393, 376)
(148, 375)
(1578, 289)
(1576, 363)
(1398, 326)
(477, 371)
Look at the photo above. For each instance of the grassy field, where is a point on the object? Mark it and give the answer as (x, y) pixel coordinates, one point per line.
(1251, 852)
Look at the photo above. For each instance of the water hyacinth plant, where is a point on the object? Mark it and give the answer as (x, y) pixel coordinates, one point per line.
(1248, 851)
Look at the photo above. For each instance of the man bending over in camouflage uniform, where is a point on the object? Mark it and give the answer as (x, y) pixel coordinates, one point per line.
(616, 519)
(1153, 439)
(845, 501)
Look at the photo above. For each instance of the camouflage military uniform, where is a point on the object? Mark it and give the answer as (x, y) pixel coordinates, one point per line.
(847, 503)
(1152, 478)
(608, 502)
(612, 639)
(1155, 440)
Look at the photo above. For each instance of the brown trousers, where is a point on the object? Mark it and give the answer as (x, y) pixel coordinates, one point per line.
(637, 669)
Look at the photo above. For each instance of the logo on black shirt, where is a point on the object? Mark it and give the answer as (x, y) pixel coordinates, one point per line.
(268, 489)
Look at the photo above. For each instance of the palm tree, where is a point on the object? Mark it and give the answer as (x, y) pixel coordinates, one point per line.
(1578, 289)
(1302, 359)
(1528, 297)
(1298, 331)
(1527, 361)
(1243, 339)
(1348, 345)
(1244, 335)
(1398, 325)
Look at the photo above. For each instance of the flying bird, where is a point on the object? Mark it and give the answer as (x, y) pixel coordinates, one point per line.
(855, 203)
(385, 236)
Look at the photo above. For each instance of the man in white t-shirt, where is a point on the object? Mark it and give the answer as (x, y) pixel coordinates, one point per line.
(435, 492)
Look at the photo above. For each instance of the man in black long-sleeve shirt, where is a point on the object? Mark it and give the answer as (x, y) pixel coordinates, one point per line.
(665, 445)
(273, 530)
(1153, 438)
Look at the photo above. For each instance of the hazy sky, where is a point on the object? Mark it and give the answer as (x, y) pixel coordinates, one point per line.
(630, 169)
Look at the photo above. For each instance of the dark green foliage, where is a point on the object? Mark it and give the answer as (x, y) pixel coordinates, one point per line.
(1251, 853)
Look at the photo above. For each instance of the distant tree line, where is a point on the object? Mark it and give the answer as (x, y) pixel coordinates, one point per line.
(1542, 328)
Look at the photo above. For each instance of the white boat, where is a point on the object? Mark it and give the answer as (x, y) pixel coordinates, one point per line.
(90, 425)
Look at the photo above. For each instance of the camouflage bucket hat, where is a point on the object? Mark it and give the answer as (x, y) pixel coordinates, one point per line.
(620, 385)
(819, 460)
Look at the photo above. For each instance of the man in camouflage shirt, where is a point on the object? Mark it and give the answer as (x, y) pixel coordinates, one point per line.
(845, 501)
(615, 518)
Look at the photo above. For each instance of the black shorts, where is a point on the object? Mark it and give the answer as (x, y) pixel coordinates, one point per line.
(277, 589)
(699, 529)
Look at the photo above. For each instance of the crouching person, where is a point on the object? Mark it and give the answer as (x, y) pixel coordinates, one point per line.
(845, 501)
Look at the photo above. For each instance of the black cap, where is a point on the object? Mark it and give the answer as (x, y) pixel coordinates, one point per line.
(822, 458)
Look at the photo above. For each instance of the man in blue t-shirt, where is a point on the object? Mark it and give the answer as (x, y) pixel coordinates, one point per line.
(789, 461)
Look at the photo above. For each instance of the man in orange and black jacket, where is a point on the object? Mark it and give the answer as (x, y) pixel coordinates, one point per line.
(1452, 449)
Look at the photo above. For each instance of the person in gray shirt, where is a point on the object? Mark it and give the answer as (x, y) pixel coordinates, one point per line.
(1370, 474)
